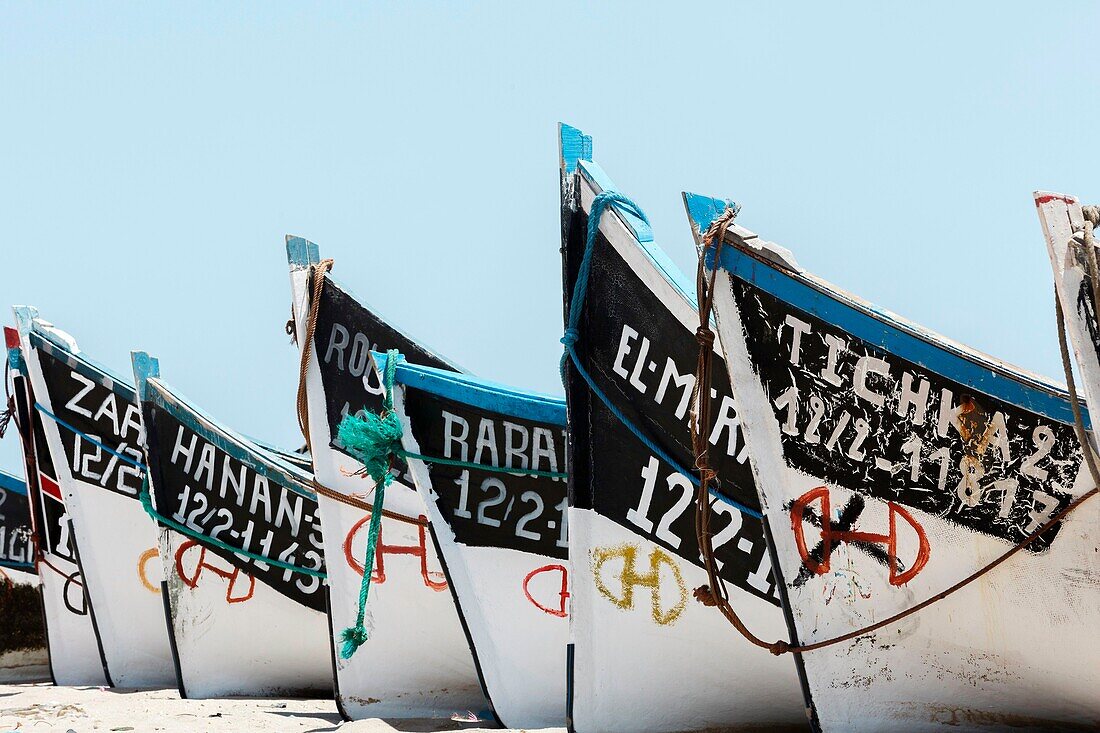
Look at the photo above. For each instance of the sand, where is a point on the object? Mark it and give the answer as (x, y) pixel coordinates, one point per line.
(43, 707)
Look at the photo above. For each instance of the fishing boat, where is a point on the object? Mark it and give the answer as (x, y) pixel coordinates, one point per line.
(23, 656)
(92, 426)
(75, 657)
(645, 656)
(417, 661)
(240, 545)
(916, 493)
(488, 461)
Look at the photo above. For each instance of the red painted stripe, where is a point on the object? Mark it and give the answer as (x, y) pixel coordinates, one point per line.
(1047, 199)
(49, 486)
(11, 337)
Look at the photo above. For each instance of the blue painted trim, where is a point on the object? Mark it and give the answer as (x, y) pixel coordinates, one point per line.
(988, 378)
(12, 484)
(573, 147)
(17, 565)
(703, 210)
(145, 368)
(479, 393)
(602, 182)
(263, 463)
(15, 360)
(644, 236)
(301, 253)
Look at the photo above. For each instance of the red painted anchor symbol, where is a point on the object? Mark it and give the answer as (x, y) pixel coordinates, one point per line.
(829, 537)
(563, 595)
(433, 579)
(191, 580)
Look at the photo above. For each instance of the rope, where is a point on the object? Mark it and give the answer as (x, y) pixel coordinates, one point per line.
(71, 577)
(90, 439)
(318, 275)
(9, 382)
(147, 504)
(374, 451)
(709, 597)
(482, 466)
(375, 440)
(572, 336)
(365, 507)
(7, 415)
(715, 594)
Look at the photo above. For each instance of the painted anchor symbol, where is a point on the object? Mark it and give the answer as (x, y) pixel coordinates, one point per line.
(816, 561)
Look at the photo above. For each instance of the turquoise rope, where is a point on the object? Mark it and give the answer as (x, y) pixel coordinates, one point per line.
(147, 504)
(572, 336)
(88, 438)
(371, 440)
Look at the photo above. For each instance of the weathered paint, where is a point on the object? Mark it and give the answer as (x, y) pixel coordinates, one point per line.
(100, 493)
(646, 656)
(935, 460)
(496, 531)
(417, 661)
(240, 626)
(574, 147)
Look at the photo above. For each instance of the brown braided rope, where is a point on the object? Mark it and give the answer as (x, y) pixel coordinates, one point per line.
(71, 577)
(364, 506)
(715, 594)
(318, 275)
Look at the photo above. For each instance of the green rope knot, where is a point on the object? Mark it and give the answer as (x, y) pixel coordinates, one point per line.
(373, 440)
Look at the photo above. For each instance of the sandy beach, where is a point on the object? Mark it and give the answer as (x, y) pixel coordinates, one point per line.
(43, 707)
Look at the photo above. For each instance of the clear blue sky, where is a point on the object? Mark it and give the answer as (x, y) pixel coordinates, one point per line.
(154, 156)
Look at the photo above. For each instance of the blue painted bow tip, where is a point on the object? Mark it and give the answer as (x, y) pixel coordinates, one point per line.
(24, 317)
(703, 210)
(146, 367)
(380, 359)
(301, 252)
(573, 146)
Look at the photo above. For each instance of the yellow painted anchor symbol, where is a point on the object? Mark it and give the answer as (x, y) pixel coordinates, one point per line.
(630, 579)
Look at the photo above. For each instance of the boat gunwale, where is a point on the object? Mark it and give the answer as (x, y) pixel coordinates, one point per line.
(478, 393)
(1025, 378)
(227, 440)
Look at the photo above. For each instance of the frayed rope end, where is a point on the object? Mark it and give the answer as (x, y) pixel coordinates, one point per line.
(352, 637)
(371, 439)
